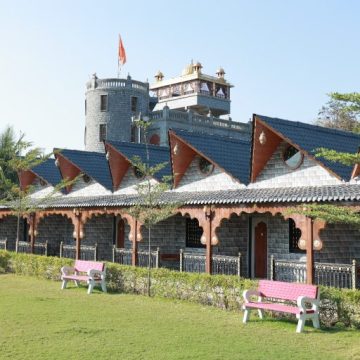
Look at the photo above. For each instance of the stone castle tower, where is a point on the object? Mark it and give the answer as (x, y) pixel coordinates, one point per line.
(110, 104)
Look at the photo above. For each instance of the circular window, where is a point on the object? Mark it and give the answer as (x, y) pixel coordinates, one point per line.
(138, 173)
(292, 157)
(205, 166)
(86, 178)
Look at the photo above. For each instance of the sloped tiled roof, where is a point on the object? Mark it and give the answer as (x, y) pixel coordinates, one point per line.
(232, 155)
(297, 195)
(48, 171)
(311, 137)
(91, 163)
(157, 155)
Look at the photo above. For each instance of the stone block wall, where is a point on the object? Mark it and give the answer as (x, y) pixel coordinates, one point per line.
(341, 244)
(8, 227)
(233, 236)
(277, 174)
(194, 180)
(99, 230)
(54, 229)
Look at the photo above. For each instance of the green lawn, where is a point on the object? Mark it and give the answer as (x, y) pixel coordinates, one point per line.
(39, 321)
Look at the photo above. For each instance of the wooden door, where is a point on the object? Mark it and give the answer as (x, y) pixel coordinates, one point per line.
(261, 250)
(120, 238)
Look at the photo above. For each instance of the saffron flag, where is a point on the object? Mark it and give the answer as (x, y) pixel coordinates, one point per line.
(122, 53)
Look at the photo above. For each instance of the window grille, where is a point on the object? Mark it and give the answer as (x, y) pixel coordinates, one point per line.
(193, 234)
(294, 237)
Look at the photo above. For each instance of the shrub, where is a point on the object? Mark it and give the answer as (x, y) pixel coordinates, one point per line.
(337, 305)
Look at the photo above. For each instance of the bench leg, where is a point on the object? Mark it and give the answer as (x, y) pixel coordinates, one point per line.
(315, 321)
(246, 316)
(77, 283)
(300, 325)
(63, 285)
(261, 314)
(91, 287)
(103, 286)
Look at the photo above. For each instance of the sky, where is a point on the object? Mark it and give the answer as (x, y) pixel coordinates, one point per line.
(283, 57)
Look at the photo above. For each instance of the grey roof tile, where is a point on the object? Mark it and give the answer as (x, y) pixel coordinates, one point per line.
(91, 163)
(157, 155)
(333, 193)
(311, 137)
(233, 155)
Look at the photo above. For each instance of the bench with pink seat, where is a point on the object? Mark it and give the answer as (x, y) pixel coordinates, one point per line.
(91, 272)
(272, 294)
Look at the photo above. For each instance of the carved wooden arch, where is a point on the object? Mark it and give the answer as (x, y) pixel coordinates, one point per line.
(194, 213)
(131, 221)
(299, 219)
(6, 213)
(64, 213)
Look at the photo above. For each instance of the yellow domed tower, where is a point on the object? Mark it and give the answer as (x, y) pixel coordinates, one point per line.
(193, 90)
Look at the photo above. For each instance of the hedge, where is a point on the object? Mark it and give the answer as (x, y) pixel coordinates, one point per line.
(337, 305)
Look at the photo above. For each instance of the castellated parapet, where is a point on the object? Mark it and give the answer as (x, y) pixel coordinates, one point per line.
(110, 105)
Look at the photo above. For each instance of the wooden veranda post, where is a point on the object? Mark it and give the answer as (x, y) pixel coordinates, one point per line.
(310, 251)
(78, 235)
(134, 231)
(207, 234)
(32, 220)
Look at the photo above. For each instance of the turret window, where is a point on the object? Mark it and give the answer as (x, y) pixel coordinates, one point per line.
(134, 104)
(103, 102)
(102, 132)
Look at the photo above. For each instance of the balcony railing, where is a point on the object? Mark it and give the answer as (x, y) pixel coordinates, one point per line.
(189, 117)
(335, 275)
(220, 265)
(3, 244)
(86, 252)
(25, 247)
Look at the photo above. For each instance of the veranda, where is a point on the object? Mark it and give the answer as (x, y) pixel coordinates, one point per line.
(256, 241)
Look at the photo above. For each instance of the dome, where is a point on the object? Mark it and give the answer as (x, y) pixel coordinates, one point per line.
(198, 65)
(220, 70)
(187, 70)
(159, 75)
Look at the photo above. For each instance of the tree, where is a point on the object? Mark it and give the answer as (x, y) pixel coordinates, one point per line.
(342, 111)
(16, 156)
(150, 210)
(8, 147)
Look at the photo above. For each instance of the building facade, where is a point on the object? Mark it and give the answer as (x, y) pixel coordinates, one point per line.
(239, 196)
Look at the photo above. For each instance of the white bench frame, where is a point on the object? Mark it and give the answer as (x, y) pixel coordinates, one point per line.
(93, 277)
(301, 304)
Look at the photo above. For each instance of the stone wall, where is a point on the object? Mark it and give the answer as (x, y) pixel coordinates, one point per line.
(233, 235)
(277, 174)
(341, 244)
(100, 230)
(8, 226)
(54, 229)
(194, 180)
(118, 115)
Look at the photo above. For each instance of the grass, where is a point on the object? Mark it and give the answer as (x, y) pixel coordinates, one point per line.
(39, 321)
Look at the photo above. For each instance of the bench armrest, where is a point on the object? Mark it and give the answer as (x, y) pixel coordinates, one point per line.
(67, 270)
(93, 273)
(248, 293)
(303, 300)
